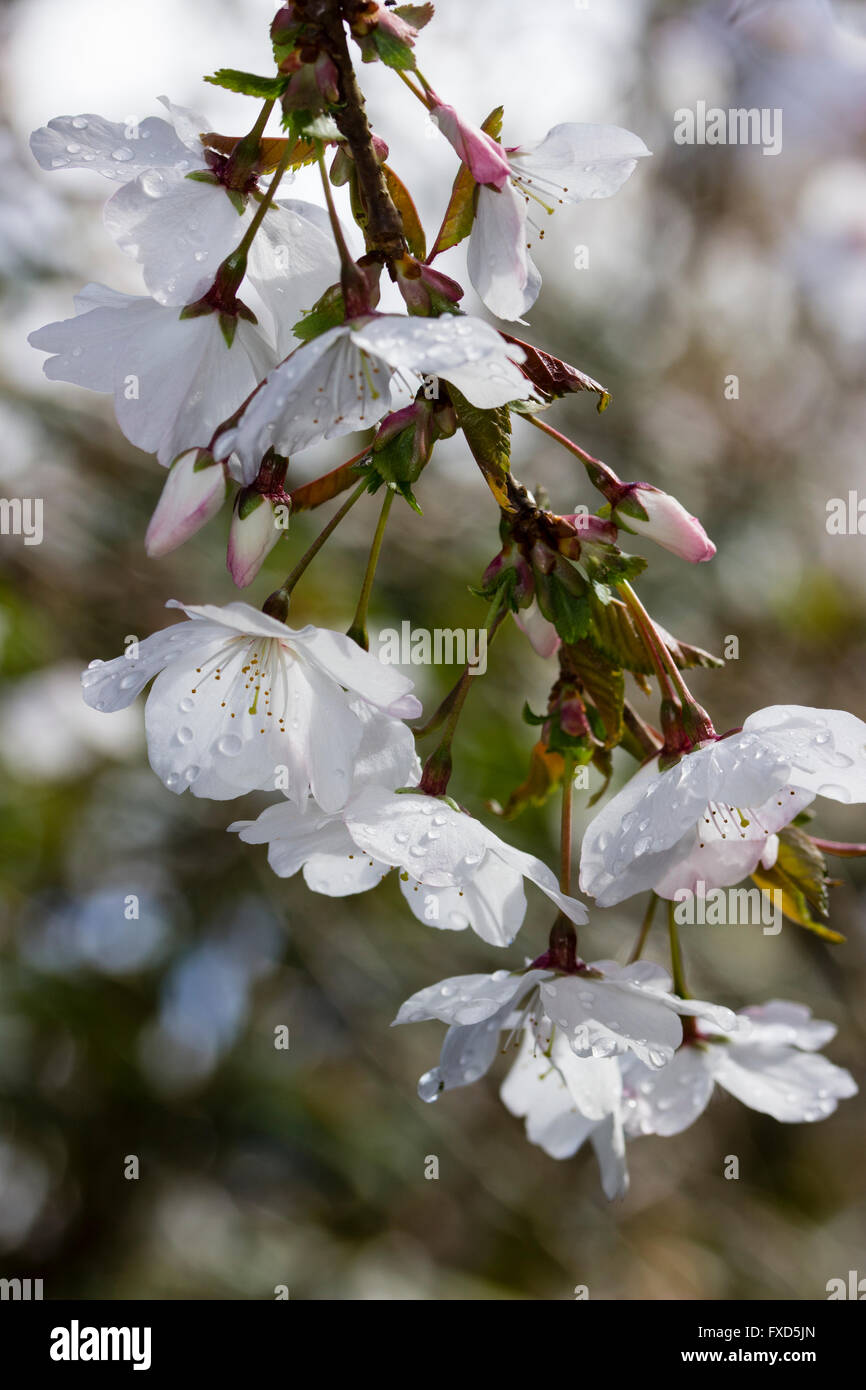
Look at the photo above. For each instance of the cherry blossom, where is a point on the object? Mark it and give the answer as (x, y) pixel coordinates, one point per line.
(715, 815)
(602, 1010)
(180, 211)
(572, 163)
(239, 696)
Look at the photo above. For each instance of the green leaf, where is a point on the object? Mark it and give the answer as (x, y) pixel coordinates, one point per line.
(614, 633)
(460, 213)
(605, 686)
(396, 53)
(328, 312)
(412, 229)
(249, 84)
(488, 434)
(555, 378)
(546, 767)
(799, 873)
(564, 600)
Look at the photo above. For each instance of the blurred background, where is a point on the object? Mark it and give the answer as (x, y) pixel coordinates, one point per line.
(153, 1035)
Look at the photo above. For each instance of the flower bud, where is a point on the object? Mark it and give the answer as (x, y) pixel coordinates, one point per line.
(194, 491)
(254, 531)
(424, 289)
(647, 511)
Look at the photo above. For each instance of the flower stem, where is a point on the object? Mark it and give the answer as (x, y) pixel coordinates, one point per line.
(267, 200)
(384, 229)
(680, 986)
(601, 477)
(437, 768)
(279, 600)
(839, 847)
(348, 269)
(358, 630)
(646, 925)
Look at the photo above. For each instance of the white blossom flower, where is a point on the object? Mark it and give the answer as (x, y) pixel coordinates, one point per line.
(454, 872)
(603, 1010)
(573, 162)
(174, 379)
(176, 216)
(770, 1063)
(714, 816)
(342, 380)
(240, 699)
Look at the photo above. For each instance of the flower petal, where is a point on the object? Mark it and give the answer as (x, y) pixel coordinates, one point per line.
(647, 826)
(600, 1019)
(826, 748)
(466, 999)
(498, 261)
(668, 1100)
(791, 1086)
(576, 161)
(349, 665)
(492, 903)
(117, 151)
(178, 229)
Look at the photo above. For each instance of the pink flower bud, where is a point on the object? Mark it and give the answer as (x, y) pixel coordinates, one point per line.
(664, 520)
(254, 531)
(483, 157)
(194, 491)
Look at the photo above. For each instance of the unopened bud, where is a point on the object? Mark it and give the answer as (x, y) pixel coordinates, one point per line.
(194, 491)
(647, 511)
(253, 533)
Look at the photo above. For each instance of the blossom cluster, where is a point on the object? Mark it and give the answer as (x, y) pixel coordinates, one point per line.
(257, 337)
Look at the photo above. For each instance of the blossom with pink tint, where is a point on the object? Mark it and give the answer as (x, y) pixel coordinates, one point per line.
(647, 511)
(194, 491)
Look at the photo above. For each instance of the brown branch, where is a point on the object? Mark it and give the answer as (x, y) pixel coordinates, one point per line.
(384, 230)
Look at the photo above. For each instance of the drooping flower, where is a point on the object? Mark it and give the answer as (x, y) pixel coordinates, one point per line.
(342, 380)
(174, 379)
(454, 872)
(647, 511)
(603, 1010)
(770, 1063)
(572, 163)
(183, 208)
(714, 816)
(241, 701)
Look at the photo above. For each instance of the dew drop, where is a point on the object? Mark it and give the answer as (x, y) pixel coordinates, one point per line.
(229, 745)
(185, 734)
